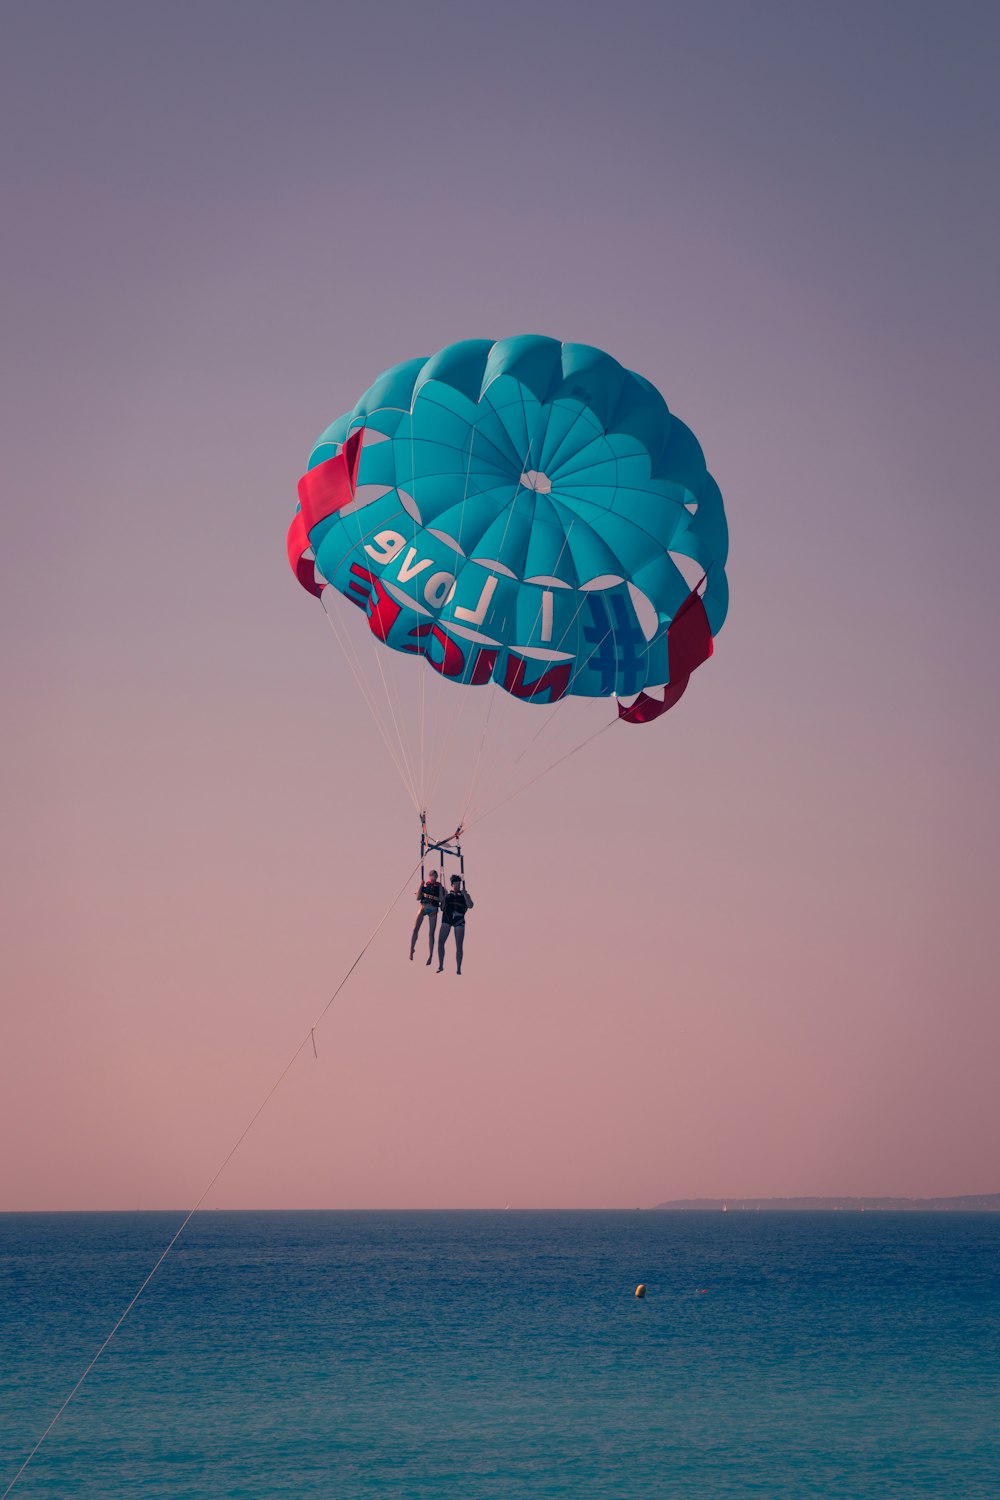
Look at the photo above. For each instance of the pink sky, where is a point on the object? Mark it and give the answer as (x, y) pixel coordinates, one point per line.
(749, 950)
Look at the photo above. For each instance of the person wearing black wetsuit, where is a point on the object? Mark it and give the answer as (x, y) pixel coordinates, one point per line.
(456, 903)
(430, 894)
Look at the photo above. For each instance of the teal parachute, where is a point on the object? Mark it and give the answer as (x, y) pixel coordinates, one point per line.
(523, 513)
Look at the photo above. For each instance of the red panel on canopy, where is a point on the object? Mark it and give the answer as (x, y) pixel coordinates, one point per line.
(322, 491)
(298, 545)
(689, 643)
(331, 485)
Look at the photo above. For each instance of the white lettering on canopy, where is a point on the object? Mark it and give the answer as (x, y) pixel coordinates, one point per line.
(407, 570)
(384, 546)
(546, 614)
(478, 615)
(437, 588)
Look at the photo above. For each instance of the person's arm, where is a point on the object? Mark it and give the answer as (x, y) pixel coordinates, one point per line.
(469, 903)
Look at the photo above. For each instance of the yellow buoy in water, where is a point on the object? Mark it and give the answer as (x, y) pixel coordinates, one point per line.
(640, 1290)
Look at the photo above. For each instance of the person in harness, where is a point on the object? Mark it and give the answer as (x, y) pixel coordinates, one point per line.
(456, 903)
(430, 894)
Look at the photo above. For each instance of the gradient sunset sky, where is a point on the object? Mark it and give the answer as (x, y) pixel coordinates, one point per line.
(749, 950)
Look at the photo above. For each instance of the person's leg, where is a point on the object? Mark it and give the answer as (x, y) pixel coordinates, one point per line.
(459, 945)
(445, 929)
(432, 921)
(416, 929)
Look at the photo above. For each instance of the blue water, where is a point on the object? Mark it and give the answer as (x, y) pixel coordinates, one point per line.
(475, 1355)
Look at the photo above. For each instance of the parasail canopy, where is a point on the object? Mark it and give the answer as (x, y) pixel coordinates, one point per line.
(522, 513)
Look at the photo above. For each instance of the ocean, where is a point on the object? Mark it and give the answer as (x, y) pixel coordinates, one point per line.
(334, 1356)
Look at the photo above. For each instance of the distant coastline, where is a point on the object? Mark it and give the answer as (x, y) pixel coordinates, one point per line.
(968, 1203)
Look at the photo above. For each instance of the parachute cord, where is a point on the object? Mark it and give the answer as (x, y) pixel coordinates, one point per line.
(551, 767)
(402, 770)
(545, 725)
(484, 726)
(549, 719)
(308, 1039)
(423, 715)
(427, 798)
(404, 762)
(444, 742)
(404, 748)
(526, 463)
(369, 700)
